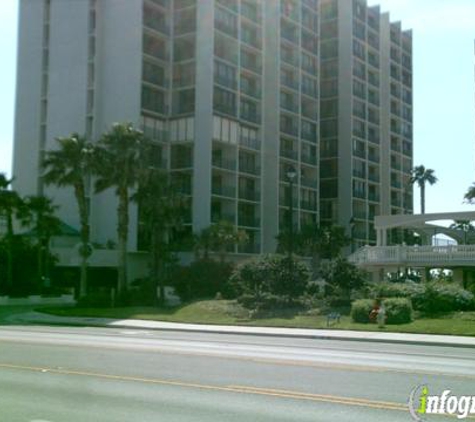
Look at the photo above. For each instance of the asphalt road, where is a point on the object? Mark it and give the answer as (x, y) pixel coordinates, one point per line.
(56, 374)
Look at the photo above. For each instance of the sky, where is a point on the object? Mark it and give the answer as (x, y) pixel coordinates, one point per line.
(444, 92)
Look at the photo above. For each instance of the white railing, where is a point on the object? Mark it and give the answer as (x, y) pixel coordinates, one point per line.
(422, 255)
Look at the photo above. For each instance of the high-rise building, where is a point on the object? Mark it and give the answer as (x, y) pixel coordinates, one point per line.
(366, 143)
(236, 95)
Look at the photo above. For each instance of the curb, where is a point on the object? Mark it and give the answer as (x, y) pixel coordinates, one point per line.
(198, 328)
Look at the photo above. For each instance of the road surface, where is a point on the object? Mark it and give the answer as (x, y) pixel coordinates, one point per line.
(56, 374)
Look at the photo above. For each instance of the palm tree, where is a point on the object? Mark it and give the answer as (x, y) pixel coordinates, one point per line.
(466, 226)
(161, 212)
(10, 202)
(469, 197)
(118, 162)
(219, 238)
(38, 213)
(70, 166)
(421, 176)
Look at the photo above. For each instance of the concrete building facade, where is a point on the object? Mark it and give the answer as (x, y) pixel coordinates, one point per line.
(234, 94)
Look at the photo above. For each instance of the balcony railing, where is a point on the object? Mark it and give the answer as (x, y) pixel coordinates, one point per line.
(224, 163)
(228, 191)
(452, 255)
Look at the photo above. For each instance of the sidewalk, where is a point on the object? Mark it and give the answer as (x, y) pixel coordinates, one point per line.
(401, 338)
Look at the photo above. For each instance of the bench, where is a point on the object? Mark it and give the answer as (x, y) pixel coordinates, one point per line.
(333, 317)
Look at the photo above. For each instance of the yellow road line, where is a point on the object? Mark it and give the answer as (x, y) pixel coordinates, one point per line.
(296, 395)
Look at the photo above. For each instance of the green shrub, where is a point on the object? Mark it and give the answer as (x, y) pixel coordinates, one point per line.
(398, 310)
(360, 310)
(202, 279)
(389, 289)
(442, 297)
(271, 274)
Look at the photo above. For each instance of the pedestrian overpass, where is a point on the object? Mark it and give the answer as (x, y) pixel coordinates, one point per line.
(382, 259)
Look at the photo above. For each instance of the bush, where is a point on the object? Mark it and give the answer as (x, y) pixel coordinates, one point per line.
(442, 297)
(142, 292)
(202, 279)
(388, 289)
(360, 310)
(271, 274)
(398, 310)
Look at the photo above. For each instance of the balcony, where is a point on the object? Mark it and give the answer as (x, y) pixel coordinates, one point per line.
(249, 168)
(224, 163)
(309, 159)
(226, 191)
(249, 142)
(374, 197)
(289, 153)
(249, 195)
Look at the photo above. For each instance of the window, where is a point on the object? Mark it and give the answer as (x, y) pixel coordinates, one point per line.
(153, 99)
(250, 61)
(329, 108)
(226, 48)
(250, 85)
(309, 86)
(309, 63)
(184, 101)
(182, 130)
(249, 111)
(329, 69)
(224, 101)
(309, 131)
(329, 128)
(359, 128)
(329, 88)
(289, 124)
(359, 109)
(250, 35)
(226, 21)
(309, 42)
(359, 50)
(155, 18)
(184, 74)
(184, 49)
(225, 130)
(309, 108)
(155, 47)
(359, 69)
(359, 89)
(185, 21)
(225, 74)
(329, 49)
(329, 148)
(153, 73)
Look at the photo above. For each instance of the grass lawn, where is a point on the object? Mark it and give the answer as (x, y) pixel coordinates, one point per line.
(227, 312)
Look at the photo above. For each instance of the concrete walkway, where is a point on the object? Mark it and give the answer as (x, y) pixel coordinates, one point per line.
(384, 337)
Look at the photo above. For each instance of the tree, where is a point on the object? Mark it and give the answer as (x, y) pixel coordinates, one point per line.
(38, 213)
(118, 161)
(70, 166)
(342, 277)
(421, 176)
(317, 241)
(219, 238)
(161, 212)
(10, 202)
(469, 197)
(466, 226)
